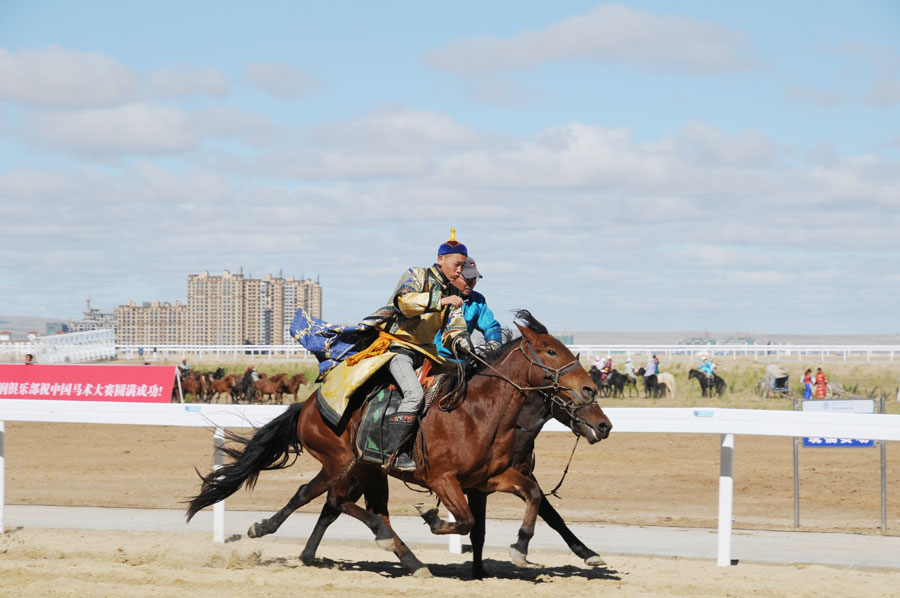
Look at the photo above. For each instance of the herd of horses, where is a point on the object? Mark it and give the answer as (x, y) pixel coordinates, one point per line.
(249, 387)
(656, 386)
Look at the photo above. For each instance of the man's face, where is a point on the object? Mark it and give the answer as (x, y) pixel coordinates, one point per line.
(451, 265)
(465, 285)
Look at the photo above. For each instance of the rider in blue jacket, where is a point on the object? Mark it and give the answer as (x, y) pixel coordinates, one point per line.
(477, 314)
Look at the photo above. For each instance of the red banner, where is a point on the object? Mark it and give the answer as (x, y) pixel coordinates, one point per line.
(121, 383)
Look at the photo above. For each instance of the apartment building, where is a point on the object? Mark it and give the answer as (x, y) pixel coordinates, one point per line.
(151, 323)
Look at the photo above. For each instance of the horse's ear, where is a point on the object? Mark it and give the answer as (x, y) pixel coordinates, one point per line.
(578, 357)
(527, 332)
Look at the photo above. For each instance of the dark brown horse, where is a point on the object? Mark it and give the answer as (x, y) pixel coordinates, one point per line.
(470, 444)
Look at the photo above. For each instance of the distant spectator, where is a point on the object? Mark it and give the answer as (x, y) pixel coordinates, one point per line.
(656, 363)
(140, 352)
(650, 368)
(821, 384)
(29, 359)
(629, 369)
(807, 384)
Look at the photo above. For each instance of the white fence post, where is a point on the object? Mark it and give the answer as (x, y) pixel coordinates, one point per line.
(219, 507)
(726, 500)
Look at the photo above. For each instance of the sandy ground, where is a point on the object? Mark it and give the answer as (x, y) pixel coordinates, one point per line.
(628, 479)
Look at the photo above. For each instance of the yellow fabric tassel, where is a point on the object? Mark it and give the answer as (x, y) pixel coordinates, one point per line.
(379, 347)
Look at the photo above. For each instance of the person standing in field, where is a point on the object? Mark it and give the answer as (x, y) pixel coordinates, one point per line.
(807, 384)
(821, 384)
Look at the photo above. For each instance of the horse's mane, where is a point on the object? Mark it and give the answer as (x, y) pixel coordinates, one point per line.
(490, 355)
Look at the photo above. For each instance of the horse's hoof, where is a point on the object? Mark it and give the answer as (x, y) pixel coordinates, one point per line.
(595, 561)
(385, 544)
(256, 530)
(422, 573)
(307, 559)
(520, 559)
(427, 512)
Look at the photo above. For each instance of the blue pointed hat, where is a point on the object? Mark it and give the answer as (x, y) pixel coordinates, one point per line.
(452, 246)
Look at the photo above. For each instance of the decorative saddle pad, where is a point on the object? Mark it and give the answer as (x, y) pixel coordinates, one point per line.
(379, 405)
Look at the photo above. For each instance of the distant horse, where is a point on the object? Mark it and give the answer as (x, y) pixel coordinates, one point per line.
(270, 387)
(708, 387)
(195, 383)
(291, 386)
(244, 389)
(222, 386)
(599, 380)
(616, 381)
(483, 410)
(651, 384)
(669, 381)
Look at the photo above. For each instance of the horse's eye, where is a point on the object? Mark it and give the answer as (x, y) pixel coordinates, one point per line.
(551, 352)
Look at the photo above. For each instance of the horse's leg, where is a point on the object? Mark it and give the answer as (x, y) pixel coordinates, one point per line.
(478, 506)
(328, 516)
(305, 493)
(449, 491)
(555, 521)
(513, 481)
(375, 487)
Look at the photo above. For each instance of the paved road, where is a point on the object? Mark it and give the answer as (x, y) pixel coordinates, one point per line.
(756, 546)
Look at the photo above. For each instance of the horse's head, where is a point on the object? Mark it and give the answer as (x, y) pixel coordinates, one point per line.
(562, 380)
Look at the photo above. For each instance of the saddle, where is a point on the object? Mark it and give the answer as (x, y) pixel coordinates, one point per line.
(382, 402)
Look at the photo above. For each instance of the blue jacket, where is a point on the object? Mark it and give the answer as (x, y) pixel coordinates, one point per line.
(478, 316)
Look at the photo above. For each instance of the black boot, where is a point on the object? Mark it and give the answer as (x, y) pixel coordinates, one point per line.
(399, 428)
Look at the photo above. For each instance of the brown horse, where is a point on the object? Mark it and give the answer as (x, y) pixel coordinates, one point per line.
(471, 441)
(222, 386)
(195, 383)
(290, 386)
(270, 387)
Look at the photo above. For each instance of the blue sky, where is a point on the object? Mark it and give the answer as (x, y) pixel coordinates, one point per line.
(633, 166)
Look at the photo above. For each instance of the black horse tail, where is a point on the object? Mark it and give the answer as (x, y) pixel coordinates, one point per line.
(269, 448)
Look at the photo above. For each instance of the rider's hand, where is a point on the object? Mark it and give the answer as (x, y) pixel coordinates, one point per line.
(454, 301)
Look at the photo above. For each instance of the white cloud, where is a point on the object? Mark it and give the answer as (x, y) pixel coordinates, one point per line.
(402, 131)
(186, 82)
(611, 33)
(282, 81)
(55, 76)
(145, 129)
(127, 129)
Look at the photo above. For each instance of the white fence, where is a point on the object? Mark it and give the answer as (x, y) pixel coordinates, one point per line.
(667, 352)
(74, 347)
(725, 422)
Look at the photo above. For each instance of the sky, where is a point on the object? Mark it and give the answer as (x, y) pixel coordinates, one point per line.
(615, 166)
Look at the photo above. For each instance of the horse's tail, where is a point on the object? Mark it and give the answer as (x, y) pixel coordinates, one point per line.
(269, 448)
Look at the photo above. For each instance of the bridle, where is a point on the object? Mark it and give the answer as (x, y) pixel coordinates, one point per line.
(550, 387)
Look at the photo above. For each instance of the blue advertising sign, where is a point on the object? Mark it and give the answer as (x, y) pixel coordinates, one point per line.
(839, 406)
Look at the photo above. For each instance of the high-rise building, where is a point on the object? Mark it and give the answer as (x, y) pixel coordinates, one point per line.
(151, 323)
(222, 310)
(232, 310)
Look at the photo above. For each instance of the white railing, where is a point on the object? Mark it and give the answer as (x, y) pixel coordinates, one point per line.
(209, 352)
(74, 347)
(667, 352)
(758, 352)
(725, 422)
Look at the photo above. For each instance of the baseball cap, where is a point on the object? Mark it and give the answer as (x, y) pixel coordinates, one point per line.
(469, 270)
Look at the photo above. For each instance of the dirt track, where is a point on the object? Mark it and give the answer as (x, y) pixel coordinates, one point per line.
(630, 478)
